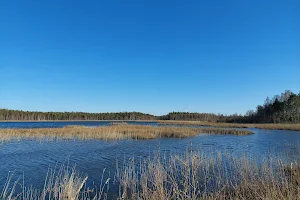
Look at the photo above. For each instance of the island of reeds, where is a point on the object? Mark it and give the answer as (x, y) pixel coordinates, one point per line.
(114, 132)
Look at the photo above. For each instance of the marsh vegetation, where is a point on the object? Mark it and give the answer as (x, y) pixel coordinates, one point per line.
(114, 132)
(195, 176)
(291, 127)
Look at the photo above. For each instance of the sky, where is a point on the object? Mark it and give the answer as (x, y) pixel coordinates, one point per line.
(149, 56)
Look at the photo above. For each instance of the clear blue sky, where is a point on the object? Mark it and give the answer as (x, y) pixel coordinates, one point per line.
(151, 56)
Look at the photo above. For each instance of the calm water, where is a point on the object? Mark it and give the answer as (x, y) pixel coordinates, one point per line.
(62, 124)
(33, 158)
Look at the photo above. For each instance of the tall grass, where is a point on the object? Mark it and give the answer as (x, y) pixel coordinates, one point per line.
(188, 176)
(113, 132)
(64, 183)
(193, 176)
(293, 127)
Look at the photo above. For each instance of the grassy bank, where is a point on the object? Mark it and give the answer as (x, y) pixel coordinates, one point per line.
(293, 127)
(189, 176)
(113, 132)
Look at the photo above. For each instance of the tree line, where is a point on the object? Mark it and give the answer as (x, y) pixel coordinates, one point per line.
(284, 108)
(6, 114)
(188, 116)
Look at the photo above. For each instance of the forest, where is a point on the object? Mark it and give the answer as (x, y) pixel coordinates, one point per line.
(6, 114)
(283, 108)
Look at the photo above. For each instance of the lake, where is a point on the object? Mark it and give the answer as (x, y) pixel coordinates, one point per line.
(33, 158)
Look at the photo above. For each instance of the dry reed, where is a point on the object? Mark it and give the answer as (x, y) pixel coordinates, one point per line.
(64, 183)
(114, 132)
(193, 176)
(293, 127)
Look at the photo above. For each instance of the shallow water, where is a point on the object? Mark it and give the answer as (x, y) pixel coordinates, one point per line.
(33, 158)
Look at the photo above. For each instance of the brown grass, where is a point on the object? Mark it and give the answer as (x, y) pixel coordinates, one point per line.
(59, 184)
(113, 132)
(193, 176)
(293, 127)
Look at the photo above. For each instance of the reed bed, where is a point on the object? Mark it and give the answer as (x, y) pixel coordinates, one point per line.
(292, 127)
(114, 132)
(60, 184)
(163, 177)
(195, 176)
